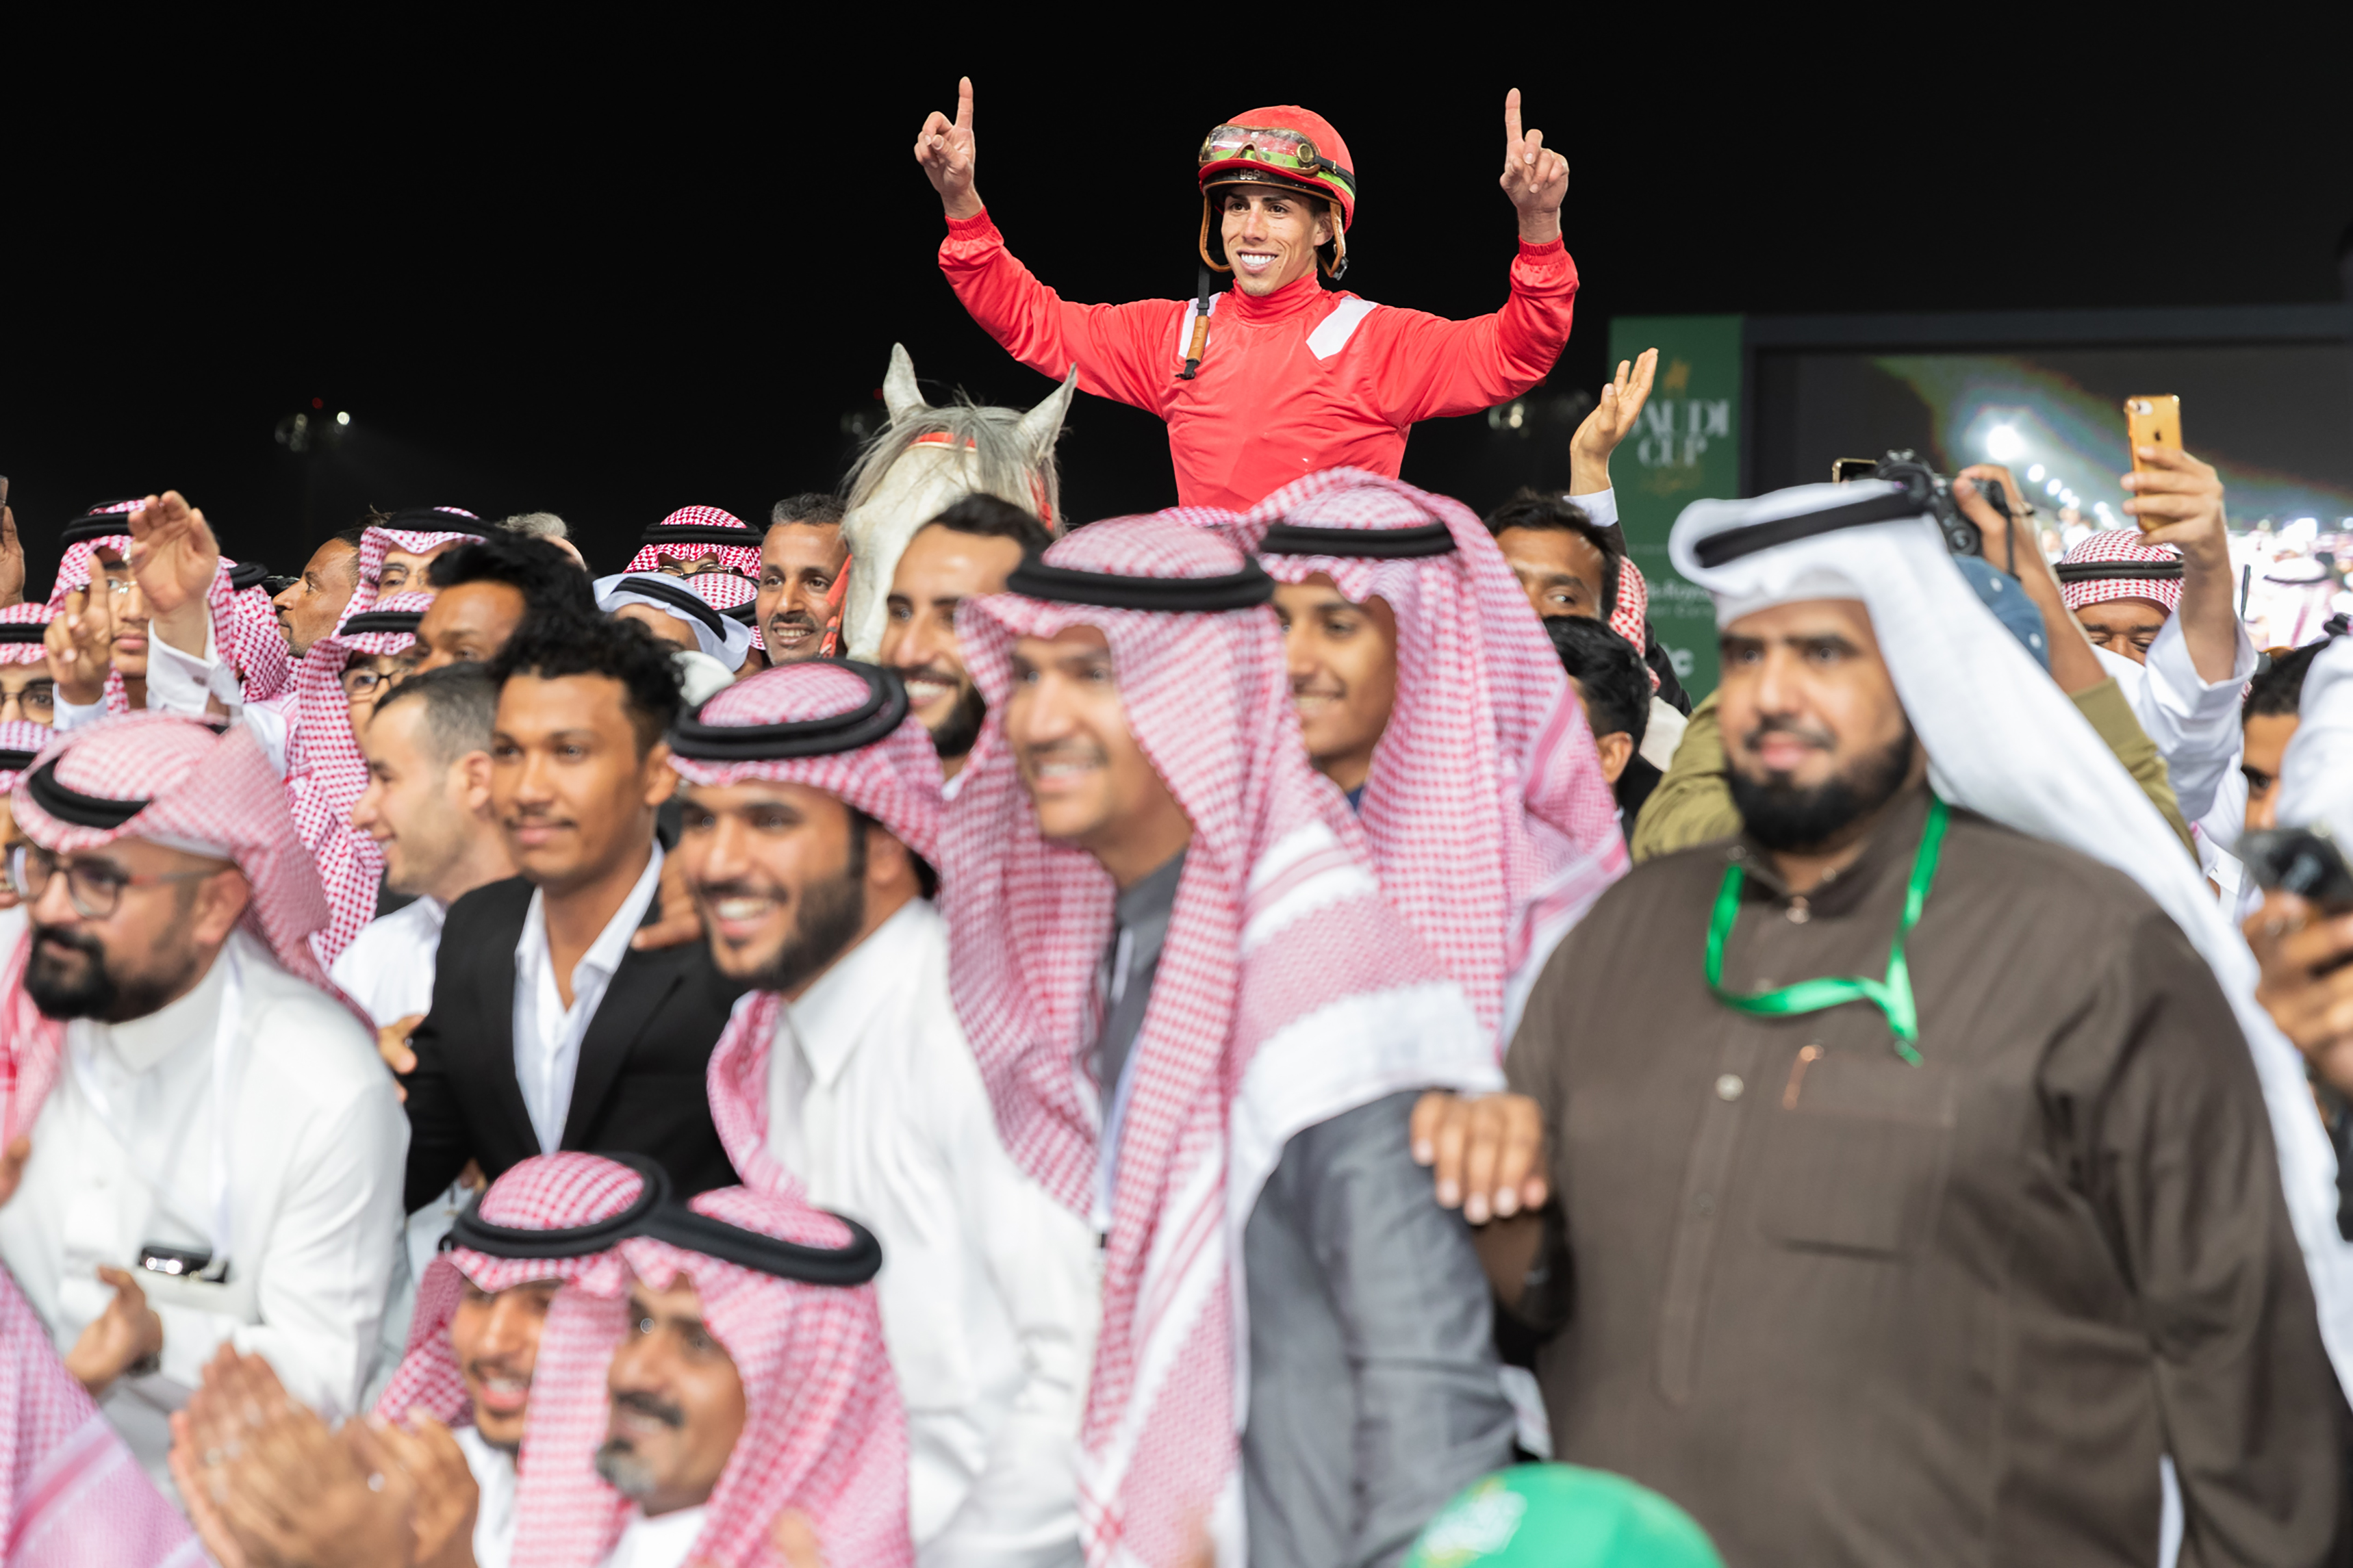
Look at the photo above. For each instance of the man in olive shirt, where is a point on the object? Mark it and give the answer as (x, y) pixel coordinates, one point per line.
(1908, 1190)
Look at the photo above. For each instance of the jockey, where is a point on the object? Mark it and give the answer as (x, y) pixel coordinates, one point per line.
(1278, 376)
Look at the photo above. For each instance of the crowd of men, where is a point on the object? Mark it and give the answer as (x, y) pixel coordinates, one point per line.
(1239, 1030)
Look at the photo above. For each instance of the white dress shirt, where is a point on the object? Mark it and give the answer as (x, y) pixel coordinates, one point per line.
(494, 1514)
(388, 970)
(662, 1542)
(312, 1145)
(987, 1288)
(547, 1033)
(180, 682)
(2194, 723)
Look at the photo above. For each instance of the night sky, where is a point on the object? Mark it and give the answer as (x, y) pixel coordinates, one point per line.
(609, 278)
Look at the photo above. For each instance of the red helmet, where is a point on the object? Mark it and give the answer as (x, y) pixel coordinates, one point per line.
(1282, 145)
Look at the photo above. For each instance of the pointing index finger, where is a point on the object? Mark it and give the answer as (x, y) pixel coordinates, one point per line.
(1512, 117)
(963, 103)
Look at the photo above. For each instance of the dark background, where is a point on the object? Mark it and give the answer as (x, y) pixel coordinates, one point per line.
(608, 273)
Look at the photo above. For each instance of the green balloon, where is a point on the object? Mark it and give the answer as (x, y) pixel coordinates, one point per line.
(1561, 1516)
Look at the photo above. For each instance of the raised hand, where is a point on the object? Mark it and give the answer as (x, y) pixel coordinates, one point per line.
(2177, 501)
(81, 641)
(1534, 177)
(945, 148)
(1610, 422)
(443, 1499)
(173, 558)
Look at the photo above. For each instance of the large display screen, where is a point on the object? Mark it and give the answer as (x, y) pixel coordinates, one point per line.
(2275, 419)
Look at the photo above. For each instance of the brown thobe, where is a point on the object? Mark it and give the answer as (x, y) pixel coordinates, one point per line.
(1850, 1311)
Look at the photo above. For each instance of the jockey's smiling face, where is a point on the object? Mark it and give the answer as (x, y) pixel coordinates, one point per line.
(1270, 234)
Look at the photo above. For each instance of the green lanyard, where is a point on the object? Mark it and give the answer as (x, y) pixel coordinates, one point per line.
(1891, 995)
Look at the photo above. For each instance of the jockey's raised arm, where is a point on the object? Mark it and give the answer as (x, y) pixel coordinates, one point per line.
(1276, 375)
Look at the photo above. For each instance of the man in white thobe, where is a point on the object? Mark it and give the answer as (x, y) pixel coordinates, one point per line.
(214, 1151)
(812, 795)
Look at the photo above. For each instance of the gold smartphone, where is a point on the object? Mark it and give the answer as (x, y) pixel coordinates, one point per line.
(2152, 422)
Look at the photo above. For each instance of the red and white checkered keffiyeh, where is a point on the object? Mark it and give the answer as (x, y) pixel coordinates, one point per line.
(548, 1192)
(79, 563)
(71, 1494)
(742, 559)
(894, 780)
(21, 741)
(733, 595)
(33, 613)
(823, 1429)
(377, 543)
(202, 788)
(1492, 826)
(326, 773)
(1630, 617)
(2121, 544)
(1287, 993)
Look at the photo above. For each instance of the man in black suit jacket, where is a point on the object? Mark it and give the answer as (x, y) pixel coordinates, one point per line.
(548, 1030)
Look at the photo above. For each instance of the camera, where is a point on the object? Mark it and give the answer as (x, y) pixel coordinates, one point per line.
(1931, 491)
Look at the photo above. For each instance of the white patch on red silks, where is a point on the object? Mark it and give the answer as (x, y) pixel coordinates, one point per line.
(2122, 545)
(1276, 927)
(823, 1430)
(71, 1494)
(200, 787)
(1492, 826)
(326, 772)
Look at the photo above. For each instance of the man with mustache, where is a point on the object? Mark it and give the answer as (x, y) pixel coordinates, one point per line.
(309, 606)
(547, 1029)
(709, 1385)
(803, 558)
(214, 1148)
(1922, 1145)
(812, 811)
(962, 553)
(1204, 1029)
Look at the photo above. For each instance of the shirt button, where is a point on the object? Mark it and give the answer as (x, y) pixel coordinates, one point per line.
(1704, 1205)
(1800, 913)
(1728, 1087)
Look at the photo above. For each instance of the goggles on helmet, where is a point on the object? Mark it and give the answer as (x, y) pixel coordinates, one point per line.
(1286, 151)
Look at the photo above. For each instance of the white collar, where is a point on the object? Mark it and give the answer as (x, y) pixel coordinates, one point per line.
(142, 1044)
(612, 944)
(831, 1016)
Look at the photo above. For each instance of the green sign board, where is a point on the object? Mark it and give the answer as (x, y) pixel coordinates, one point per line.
(1685, 448)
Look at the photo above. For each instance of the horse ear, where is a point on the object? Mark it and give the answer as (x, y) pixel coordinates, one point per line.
(1043, 423)
(900, 393)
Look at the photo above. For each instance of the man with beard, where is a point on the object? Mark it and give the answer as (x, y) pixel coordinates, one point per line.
(214, 1148)
(709, 1386)
(812, 809)
(547, 1029)
(1936, 1263)
(311, 605)
(802, 560)
(962, 553)
(27, 691)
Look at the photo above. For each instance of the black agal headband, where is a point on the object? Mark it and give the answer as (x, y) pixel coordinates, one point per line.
(884, 710)
(658, 1214)
(1733, 543)
(67, 805)
(2105, 571)
(98, 522)
(682, 601)
(24, 631)
(700, 533)
(400, 622)
(1037, 578)
(1361, 543)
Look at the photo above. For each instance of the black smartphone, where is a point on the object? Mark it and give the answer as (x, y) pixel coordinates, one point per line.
(2300, 862)
(182, 1263)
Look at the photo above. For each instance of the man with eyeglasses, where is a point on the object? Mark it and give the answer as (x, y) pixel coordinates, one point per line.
(27, 690)
(1277, 376)
(211, 1150)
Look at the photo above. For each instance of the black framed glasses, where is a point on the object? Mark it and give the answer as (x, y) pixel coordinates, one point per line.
(94, 886)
